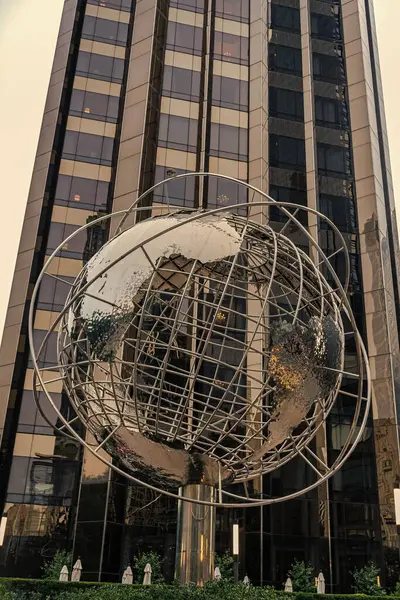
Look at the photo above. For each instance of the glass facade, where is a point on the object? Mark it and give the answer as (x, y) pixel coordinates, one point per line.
(190, 85)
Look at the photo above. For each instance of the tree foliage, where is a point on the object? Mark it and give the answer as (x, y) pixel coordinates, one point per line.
(225, 564)
(302, 577)
(366, 581)
(155, 561)
(51, 569)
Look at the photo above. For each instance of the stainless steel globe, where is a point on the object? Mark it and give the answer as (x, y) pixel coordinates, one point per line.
(205, 346)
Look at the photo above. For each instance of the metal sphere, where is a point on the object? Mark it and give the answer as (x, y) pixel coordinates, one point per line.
(202, 347)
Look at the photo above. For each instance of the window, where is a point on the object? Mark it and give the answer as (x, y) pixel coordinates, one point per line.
(325, 27)
(222, 192)
(283, 194)
(285, 59)
(328, 68)
(178, 133)
(340, 210)
(124, 5)
(284, 17)
(81, 193)
(331, 113)
(72, 249)
(53, 293)
(334, 161)
(102, 30)
(181, 83)
(101, 67)
(231, 48)
(180, 191)
(48, 355)
(287, 152)
(185, 38)
(30, 420)
(38, 481)
(286, 104)
(94, 106)
(228, 142)
(88, 148)
(235, 10)
(193, 5)
(230, 93)
(95, 238)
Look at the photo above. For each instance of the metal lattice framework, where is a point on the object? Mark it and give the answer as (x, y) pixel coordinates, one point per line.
(207, 344)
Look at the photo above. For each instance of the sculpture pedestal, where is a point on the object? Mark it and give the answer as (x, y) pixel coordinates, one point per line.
(194, 562)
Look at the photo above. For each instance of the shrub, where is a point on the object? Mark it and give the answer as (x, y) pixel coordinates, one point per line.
(225, 564)
(302, 577)
(51, 569)
(156, 567)
(365, 581)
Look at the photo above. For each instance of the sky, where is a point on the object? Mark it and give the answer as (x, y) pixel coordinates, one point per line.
(28, 33)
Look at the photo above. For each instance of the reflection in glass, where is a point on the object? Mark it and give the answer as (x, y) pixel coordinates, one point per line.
(230, 93)
(178, 133)
(99, 66)
(235, 10)
(91, 105)
(33, 534)
(81, 193)
(184, 38)
(284, 59)
(231, 48)
(183, 84)
(286, 104)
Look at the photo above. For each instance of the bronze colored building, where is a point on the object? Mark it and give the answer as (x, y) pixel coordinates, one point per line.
(285, 94)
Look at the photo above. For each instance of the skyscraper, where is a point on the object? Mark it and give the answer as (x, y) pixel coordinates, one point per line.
(287, 95)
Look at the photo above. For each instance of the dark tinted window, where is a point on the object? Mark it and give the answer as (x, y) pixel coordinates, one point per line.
(334, 161)
(39, 481)
(328, 68)
(231, 48)
(101, 67)
(30, 420)
(285, 59)
(178, 133)
(181, 83)
(193, 5)
(184, 38)
(222, 192)
(94, 106)
(235, 10)
(48, 356)
(228, 142)
(340, 210)
(125, 5)
(325, 27)
(74, 248)
(230, 93)
(331, 113)
(82, 193)
(283, 194)
(179, 191)
(53, 293)
(102, 30)
(286, 104)
(88, 148)
(286, 152)
(284, 17)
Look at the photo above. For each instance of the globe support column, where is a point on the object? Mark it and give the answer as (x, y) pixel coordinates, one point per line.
(194, 562)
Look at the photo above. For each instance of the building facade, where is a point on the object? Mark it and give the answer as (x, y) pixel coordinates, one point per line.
(284, 94)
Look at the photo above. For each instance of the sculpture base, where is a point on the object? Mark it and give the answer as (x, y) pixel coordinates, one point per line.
(195, 542)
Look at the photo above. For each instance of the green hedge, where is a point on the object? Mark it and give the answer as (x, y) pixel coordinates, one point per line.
(32, 589)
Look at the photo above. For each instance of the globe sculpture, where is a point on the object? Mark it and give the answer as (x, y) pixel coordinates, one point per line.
(203, 349)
